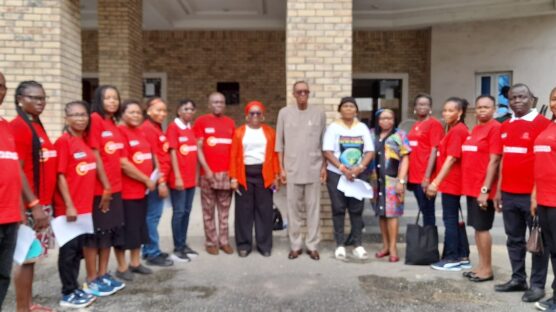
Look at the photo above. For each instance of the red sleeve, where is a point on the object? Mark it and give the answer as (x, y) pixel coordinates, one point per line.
(236, 141)
(494, 141)
(172, 136)
(127, 148)
(23, 138)
(436, 134)
(198, 127)
(456, 141)
(63, 151)
(150, 136)
(95, 131)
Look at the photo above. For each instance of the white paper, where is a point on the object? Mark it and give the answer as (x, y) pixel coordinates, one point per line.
(66, 231)
(357, 189)
(25, 237)
(155, 175)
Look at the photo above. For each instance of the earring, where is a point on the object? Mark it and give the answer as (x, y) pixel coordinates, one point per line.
(430, 112)
(414, 112)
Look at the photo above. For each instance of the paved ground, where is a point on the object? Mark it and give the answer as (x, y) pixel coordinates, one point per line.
(230, 283)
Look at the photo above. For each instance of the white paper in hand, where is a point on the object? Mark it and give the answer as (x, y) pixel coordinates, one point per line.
(155, 175)
(25, 237)
(66, 231)
(357, 189)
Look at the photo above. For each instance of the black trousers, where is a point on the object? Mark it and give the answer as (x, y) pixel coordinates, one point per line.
(339, 205)
(547, 221)
(517, 218)
(8, 239)
(254, 205)
(69, 259)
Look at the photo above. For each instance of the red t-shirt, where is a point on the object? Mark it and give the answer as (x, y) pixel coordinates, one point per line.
(475, 156)
(105, 137)
(423, 136)
(159, 144)
(183, 141)
(10, 179)
(450, 145)
(138, 151)
(545, 166)
(77, 163)
(47, 171)
(518, 137)
(216, 133)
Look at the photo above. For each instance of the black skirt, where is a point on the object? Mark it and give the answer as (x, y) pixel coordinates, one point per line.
(108, 226)
(135, 229)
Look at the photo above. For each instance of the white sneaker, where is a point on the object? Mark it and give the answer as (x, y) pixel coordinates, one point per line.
(360, 253)
(340, 253)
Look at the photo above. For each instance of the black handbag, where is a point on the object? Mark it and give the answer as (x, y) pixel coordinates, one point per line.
(278, 222)
(421, 243)
(535, 243)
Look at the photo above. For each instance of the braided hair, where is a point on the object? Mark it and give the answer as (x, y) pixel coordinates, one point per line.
(36, 143)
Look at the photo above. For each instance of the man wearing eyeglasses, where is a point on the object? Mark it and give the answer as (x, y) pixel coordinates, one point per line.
(299, 134)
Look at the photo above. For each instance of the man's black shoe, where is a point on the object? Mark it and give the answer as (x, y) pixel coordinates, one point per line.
(511, 285)
(533, 295)
(160, 261)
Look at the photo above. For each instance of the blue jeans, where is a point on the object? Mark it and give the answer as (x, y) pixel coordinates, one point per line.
(426, 205)
(182, 201)
(155, 204)
(454, 241)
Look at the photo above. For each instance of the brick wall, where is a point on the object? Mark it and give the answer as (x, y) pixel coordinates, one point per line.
(406, 51)
(120, 45)
(41, 40)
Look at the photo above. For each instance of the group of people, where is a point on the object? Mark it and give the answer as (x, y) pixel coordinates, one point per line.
(115, 162)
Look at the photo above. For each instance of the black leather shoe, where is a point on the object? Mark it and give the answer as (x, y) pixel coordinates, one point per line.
(533, 295)
(511, 285)
(244, 253)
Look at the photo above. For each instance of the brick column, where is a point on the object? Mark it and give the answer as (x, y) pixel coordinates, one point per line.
(120, 46)
(41, 40)
(319, 50)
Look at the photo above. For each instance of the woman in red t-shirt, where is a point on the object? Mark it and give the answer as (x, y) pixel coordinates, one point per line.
(424, 137)
(544, 194)
(448, 182)
(183, 176)
(137, 165)
(480, 158)
(38, 159)
(108, 214)
(156, 113)
(74, 199)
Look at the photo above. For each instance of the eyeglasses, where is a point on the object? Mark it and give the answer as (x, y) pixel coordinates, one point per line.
(302, 92)
(188, 109)
(80, 115)
(36, 98)
(255, 113)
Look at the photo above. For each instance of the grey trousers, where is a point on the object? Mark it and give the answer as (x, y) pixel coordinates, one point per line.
(303, 197)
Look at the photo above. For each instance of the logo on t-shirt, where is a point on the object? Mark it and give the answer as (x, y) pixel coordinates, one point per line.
(351, 150)
(182, 139)
(111, 147)
(47, 154)
(504, 135)
(133, 143)
(185, 149)
(83, 168)
(139, 157)
(525, 136)
(79, 155)
(106, 134)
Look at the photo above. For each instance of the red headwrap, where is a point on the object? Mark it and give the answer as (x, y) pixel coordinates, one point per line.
(253, 104)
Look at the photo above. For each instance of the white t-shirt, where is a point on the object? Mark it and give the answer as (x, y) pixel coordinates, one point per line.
(348, 144)
(254, 146)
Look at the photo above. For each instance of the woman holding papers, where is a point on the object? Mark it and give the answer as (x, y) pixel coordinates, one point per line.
(480, 157)
(254, 173)
(107, 144)
(348, 148)
(137, 166)
(390, 174)
(38, 160)
(73, 199)
(448, 182)
(183, 176)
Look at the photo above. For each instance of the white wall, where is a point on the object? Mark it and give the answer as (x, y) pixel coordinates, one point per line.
(526, 46)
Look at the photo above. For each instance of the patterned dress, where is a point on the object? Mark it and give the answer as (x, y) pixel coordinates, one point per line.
(389, 153)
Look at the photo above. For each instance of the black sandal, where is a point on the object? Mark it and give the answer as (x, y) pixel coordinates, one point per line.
(469, 274)
(477, 279)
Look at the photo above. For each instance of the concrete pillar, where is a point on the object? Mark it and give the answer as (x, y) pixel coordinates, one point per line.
(319, 50)
(120, 46)
(41, 40)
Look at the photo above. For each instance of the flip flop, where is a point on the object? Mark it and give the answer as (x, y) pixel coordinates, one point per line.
(469, 274)
(477, 279)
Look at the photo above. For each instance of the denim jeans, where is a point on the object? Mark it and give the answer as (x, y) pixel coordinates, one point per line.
(155, 204)
(181, 206)
(454, 243)
(426, 205)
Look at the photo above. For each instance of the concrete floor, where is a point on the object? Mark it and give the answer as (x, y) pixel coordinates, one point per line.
(255, 283)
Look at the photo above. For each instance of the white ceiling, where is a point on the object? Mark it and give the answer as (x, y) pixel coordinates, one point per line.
(367, 14)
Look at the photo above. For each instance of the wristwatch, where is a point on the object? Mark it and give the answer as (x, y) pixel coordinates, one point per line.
(484, 190)
(402, 181)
